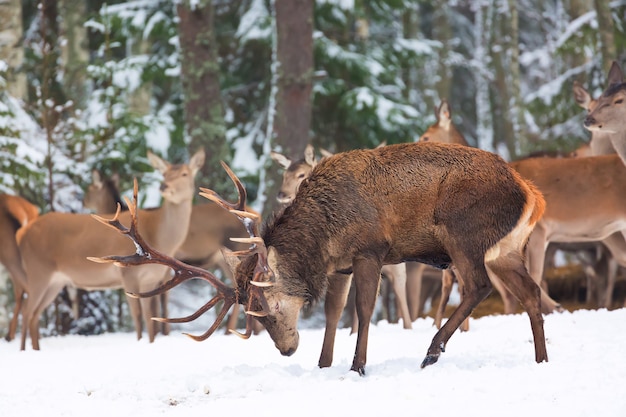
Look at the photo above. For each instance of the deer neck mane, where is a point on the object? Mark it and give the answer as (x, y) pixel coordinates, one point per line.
(300, 243)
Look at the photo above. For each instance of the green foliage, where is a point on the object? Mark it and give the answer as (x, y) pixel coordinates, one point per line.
(20, 174)
(360, 101)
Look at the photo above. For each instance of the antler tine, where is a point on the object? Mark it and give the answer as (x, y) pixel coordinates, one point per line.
(144, 254)
(262, 276)
(240, 205)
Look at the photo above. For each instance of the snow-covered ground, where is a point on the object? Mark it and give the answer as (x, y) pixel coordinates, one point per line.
(488, 371)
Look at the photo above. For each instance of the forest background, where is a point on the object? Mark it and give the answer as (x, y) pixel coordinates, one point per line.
(93, 85)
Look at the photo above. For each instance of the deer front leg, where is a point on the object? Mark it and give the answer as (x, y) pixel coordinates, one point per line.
(334, 303)
(366, 280)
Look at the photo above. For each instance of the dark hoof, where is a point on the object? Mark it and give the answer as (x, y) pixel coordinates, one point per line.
(429, 360)
(359, 369)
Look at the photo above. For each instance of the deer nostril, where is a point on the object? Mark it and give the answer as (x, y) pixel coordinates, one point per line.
(288, 352)
(163, 187)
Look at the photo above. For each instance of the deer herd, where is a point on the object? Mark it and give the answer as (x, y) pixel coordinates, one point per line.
(402, 210)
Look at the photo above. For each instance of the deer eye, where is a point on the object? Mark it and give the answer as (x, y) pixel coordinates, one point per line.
(301, 175)
(620, 101)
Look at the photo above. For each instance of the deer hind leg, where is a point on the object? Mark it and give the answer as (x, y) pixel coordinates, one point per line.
(18, 293)
(366, 280)
(511, 270)
(536, 252)
(150, 307)
(134, 307)
(447, 282)
(334, 303)
(508, 299)
(398, 282)
(477, 287)
(164, 299)
(32, 312)
(414, 288)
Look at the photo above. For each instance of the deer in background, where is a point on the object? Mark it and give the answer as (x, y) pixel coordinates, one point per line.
(103, 197)
(298, 171)
(15, 213)
(56, 246)
(606, 123)
(434, 203)
(569, 186)
(599, 144)
(210, 234)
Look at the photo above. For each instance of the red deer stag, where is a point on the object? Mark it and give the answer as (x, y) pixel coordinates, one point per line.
(298, 171)
(426, 202)
(55, 248)
(15, 212)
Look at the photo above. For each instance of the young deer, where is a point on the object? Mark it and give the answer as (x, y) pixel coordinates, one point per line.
(55, 249)
(15, 213)
(211, 232)
(427, 202)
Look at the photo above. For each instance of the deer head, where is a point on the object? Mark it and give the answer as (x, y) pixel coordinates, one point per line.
(295, 173)
(443, 130)
(610, 111)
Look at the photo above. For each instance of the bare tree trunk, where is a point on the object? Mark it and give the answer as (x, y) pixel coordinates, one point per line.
(576, 9)
(410, 31)
(11, 49)
(74, 52)
(443, 33)
(483, 30)
(50, 93)
(517, 105)
(294, 53)
(140, 98)
(506, 98)
(204, 112)
(606, 31)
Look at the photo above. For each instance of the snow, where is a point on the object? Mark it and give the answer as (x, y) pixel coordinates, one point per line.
(488, 371)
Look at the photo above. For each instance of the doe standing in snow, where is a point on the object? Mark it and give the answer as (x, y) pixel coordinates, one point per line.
(359, 210)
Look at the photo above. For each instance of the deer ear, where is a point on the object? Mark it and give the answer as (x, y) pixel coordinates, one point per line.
(158, 163)
(325, 153)
(282, 160)
(581, 96)
(231, 259)
(272, 260)
(615, 75)
(96, 178)
(309, 155)
(197, 160)
(443, 115)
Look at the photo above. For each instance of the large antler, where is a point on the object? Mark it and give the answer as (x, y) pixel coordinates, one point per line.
(144, 254)
(263, 275)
